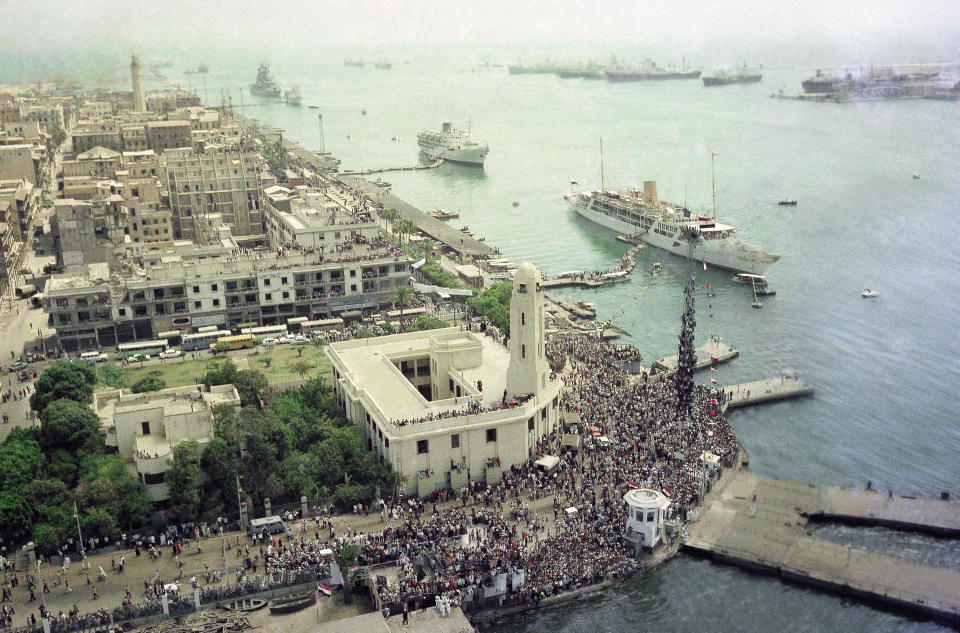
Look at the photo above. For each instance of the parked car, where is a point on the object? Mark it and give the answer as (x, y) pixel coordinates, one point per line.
(283, 340)
(17, 366)
(300, 340)
(173, 353)
(268, 342)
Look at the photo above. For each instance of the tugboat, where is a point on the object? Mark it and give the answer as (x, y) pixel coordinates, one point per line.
(265, 86)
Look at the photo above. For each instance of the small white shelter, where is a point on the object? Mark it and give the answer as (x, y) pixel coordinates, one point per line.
(646, 511)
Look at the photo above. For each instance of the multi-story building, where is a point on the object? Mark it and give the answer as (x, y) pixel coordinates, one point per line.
(142, 164)
(88, 232)
(11, 247)
(24, 201)
(9, 109)
(27, 131)
(447, 406)
(133, 137)
(17, 162)
(315, 219)
(50, 115)
(96, 162)
(164, 135)
(144, 428)
(90, 134)
(223, 183)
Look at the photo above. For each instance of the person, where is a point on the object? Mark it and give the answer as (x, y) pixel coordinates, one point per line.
(406, 614)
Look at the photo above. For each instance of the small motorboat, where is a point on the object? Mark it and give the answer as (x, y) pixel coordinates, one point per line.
(657, 268)
(787, 203)
(869, 294)
(313, 107)
(916, 176)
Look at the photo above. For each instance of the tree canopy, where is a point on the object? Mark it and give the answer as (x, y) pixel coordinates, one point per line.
(494, 303)
(63, 380)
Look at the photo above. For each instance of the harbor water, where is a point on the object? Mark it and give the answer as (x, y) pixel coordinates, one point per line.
(885, 370)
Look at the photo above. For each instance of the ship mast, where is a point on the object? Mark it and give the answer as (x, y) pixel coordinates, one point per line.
(713, 184)
(603, 186)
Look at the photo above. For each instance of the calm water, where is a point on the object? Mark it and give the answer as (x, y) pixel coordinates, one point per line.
(886, 370)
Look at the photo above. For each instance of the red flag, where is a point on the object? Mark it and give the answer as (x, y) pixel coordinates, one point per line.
(708, 286)
(713, 381)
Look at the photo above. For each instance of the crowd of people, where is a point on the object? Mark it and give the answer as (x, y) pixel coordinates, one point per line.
(470, 407)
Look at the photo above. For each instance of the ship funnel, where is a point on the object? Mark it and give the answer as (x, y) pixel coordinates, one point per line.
(447, 127)
(650, 191)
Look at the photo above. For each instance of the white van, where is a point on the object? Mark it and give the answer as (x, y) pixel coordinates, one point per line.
(272, 525)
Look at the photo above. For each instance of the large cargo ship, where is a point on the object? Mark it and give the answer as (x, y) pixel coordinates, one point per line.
(650, 72)
(674, 228)
(265, 86)
(451, 144)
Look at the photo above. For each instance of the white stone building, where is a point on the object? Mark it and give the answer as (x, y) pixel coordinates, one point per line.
(145, 427)
(444, 406)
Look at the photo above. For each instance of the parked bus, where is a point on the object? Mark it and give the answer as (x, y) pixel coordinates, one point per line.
(295, 324)
(321, 325)
(239, 341)
(201, 340)
(267, 331)
(207, 328)
(92, 358)
(145, 348)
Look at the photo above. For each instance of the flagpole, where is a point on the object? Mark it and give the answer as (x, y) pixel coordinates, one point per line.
(603, 186)
(713, 184)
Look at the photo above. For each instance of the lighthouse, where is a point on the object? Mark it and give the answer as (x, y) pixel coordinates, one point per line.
(139, 101)
(528, 371)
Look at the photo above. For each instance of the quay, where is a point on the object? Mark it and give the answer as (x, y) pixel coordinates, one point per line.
(383, 170)
(767, 390)
(574, 309)
(597, 279)
(711, 352)
(452, 238)
(761, 524)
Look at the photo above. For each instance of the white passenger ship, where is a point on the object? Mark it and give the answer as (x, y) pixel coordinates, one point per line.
(451, 144)
(641, 215)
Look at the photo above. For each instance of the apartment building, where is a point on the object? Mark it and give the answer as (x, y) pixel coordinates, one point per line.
(224, 183)
(164, 135)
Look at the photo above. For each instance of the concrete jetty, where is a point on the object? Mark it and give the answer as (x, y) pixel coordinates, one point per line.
(767, 390)
(714, 348)
(452, 238)
(382, 170)
(596, 279)
(574, 309)
(761, 524)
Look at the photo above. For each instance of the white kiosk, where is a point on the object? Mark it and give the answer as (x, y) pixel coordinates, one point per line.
(646, 511)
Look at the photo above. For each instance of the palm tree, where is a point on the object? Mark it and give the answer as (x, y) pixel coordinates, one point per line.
(401, 295)
(429, 248)
(301, 367)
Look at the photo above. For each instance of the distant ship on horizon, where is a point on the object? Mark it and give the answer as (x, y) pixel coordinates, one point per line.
(650, 72)
(742, 75)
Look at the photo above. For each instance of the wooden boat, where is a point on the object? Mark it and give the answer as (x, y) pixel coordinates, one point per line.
(245, 605)
(292, 603)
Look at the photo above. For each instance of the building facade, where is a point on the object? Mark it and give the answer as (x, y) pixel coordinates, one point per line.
(447, 406)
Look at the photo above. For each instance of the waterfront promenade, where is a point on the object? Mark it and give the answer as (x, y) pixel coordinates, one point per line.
(761, 524)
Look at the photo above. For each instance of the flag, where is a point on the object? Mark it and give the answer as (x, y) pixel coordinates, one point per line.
(574, 182)
(713, 381)
(713, 153)
(704, 263)
(708, 286)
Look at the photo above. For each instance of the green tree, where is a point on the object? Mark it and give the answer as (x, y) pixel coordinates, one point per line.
(98, 522)
(401, 296)
(63, 380)
(427, 323)
(301, 367)
(182, 478)
(70, 425)
(494, 303)
(149, 383)
(111, 375)
(219, 464)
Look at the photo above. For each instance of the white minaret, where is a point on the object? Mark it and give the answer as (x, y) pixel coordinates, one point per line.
(139, 100)
(528, 371)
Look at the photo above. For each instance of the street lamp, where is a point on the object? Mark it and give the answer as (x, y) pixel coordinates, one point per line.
(76, 515)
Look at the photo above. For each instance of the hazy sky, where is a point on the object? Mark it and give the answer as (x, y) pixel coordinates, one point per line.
(68, 33)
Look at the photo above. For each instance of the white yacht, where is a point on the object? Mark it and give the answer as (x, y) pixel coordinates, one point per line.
(674, 228)
(451, 144)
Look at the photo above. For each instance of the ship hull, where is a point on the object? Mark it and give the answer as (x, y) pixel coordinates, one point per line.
(620, 76)
(471, 156)
(260, 92)
(696, 252)
(723, 81)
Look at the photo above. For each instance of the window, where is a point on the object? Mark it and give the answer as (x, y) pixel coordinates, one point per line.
(423, 447)
(522, 289)
(122, 311)
(153, 479)
(530, 424)
(213, 287)
(455, 440)
(196, 289)
(491, 435)
(197, 304)
(543, 413)
(267, 296)
(145, 427)
(386, 442)
(266, 282)
(353, 273)
(523, 351)
(283, 280)
(286, 295)
(216, 303)
(649, 516)
(353, 287)
(523, 318)
(451, 384)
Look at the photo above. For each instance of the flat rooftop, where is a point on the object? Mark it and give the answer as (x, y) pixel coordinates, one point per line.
(174, 401)
(369, 361)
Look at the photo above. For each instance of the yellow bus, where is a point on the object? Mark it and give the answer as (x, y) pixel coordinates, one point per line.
(239, 341)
